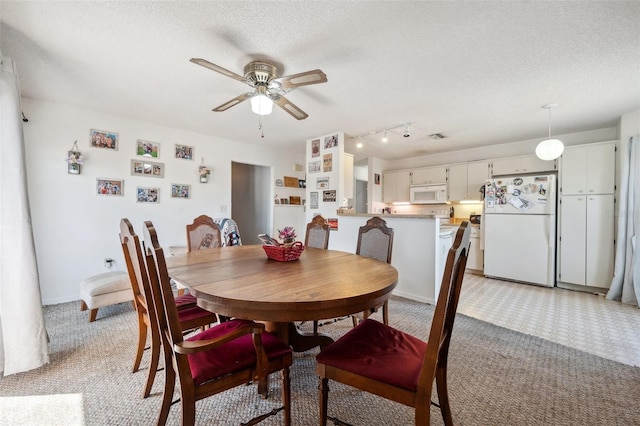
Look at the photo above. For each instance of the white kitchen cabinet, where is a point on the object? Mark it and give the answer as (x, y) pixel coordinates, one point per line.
(521, 164)
(588, 169)
(586, 253)
(466, 179)
(428, 175)
(395, 186)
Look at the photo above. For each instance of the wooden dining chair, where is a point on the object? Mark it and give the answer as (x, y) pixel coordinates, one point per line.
(189, 314)
(227, 355)
(317, 235)
(203, 233)
(375, 240)
(387, 362)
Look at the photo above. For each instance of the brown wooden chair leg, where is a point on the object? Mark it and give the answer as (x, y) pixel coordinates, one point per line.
(153, 363)
(443, 396)
(167, 394)
(324, 396)
(188, 399)
(315, 327)
(286, 396)
(93, 313)
(142, 341)
(83, 305)
(263, 387)
(385, 312)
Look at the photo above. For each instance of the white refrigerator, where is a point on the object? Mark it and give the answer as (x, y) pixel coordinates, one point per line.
(519, 220)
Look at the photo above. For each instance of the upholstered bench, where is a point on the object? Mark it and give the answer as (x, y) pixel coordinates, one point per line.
(104, 289)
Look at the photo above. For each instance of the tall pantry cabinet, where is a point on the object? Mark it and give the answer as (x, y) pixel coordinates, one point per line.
(586, 208)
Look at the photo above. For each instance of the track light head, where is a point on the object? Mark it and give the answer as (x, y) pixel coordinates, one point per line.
(406, 131)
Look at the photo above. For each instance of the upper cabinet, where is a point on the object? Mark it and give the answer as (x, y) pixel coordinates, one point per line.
(466, 179)
(395, 186)
(521, 164)
(588, 169)
(428, 175)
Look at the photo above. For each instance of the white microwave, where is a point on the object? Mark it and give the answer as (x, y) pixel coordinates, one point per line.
(428, 194)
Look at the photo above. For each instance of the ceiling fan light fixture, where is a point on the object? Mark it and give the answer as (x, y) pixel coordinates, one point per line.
(549, 149)
(261, 104)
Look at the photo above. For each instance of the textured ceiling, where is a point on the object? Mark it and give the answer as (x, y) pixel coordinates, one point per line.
(477, 72)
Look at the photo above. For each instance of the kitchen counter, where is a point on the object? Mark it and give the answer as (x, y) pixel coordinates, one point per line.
(415, 251)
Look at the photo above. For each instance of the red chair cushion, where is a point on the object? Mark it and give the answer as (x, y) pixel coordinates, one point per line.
(232, 356)
(379, 352)
(186, 299)
(193, 313)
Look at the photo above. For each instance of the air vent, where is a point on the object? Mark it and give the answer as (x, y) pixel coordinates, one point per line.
(437, 136)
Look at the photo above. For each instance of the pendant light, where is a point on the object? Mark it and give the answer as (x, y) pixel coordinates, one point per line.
(549, 149)
(261, 104)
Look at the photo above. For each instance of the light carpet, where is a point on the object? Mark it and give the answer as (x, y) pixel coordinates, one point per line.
(496, 377)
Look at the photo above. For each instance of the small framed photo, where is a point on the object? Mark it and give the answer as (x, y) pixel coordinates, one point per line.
(329, 196)
(184, 152)
(327, 163)
(331, 141)
(313, 197)
(314, 166)
(179, 190)
(147, 149)
(147, 168)
(147, 195)
(322, 182)
(103, 139)
(107, 186)
(315, 148)
(333, 223)
(376, 178)
(302, 183)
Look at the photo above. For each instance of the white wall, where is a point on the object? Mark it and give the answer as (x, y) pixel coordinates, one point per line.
(75, 230)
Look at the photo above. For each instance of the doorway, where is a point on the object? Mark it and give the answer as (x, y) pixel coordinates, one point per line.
(250, 200)
(361, 196)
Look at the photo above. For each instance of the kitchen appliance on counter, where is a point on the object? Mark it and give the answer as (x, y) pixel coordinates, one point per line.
(520, 229)
(428, 193)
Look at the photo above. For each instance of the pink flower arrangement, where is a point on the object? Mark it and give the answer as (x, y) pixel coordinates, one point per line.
(287, 234)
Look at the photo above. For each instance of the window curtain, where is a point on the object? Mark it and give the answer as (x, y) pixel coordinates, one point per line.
(625, 285)
(23, 338)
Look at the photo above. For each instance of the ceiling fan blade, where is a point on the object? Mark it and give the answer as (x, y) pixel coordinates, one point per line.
(217, 68)
(233, 102)
(302, 79)
(291, 108)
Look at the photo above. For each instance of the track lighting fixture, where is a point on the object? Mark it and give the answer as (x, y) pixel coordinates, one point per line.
(25, 119)
(406, 131)
(385, 139)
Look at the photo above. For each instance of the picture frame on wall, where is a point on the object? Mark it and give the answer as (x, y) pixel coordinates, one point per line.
(331, 141)
(315, 148)
(109, 187)
(313, 200)
(329, 196)
(322, 182)
(147, 195)
(147, 148)
(180, 190)
(376, 178)
(314, 166)
(147, 168)
(103, 139)
(327, 163)
(184, 152)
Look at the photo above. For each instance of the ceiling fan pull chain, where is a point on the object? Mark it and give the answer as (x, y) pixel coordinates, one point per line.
(260, 127)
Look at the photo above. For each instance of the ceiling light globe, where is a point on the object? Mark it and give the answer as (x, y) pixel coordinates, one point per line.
(261, 104)
(549, 149)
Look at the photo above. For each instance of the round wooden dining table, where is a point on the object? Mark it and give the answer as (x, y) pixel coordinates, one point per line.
(241, 282)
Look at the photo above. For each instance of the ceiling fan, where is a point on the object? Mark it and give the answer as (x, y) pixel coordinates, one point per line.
(269, 86)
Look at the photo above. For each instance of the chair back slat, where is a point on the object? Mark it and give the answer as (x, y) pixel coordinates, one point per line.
(317, 235)
(202, 234)
(136, 268)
